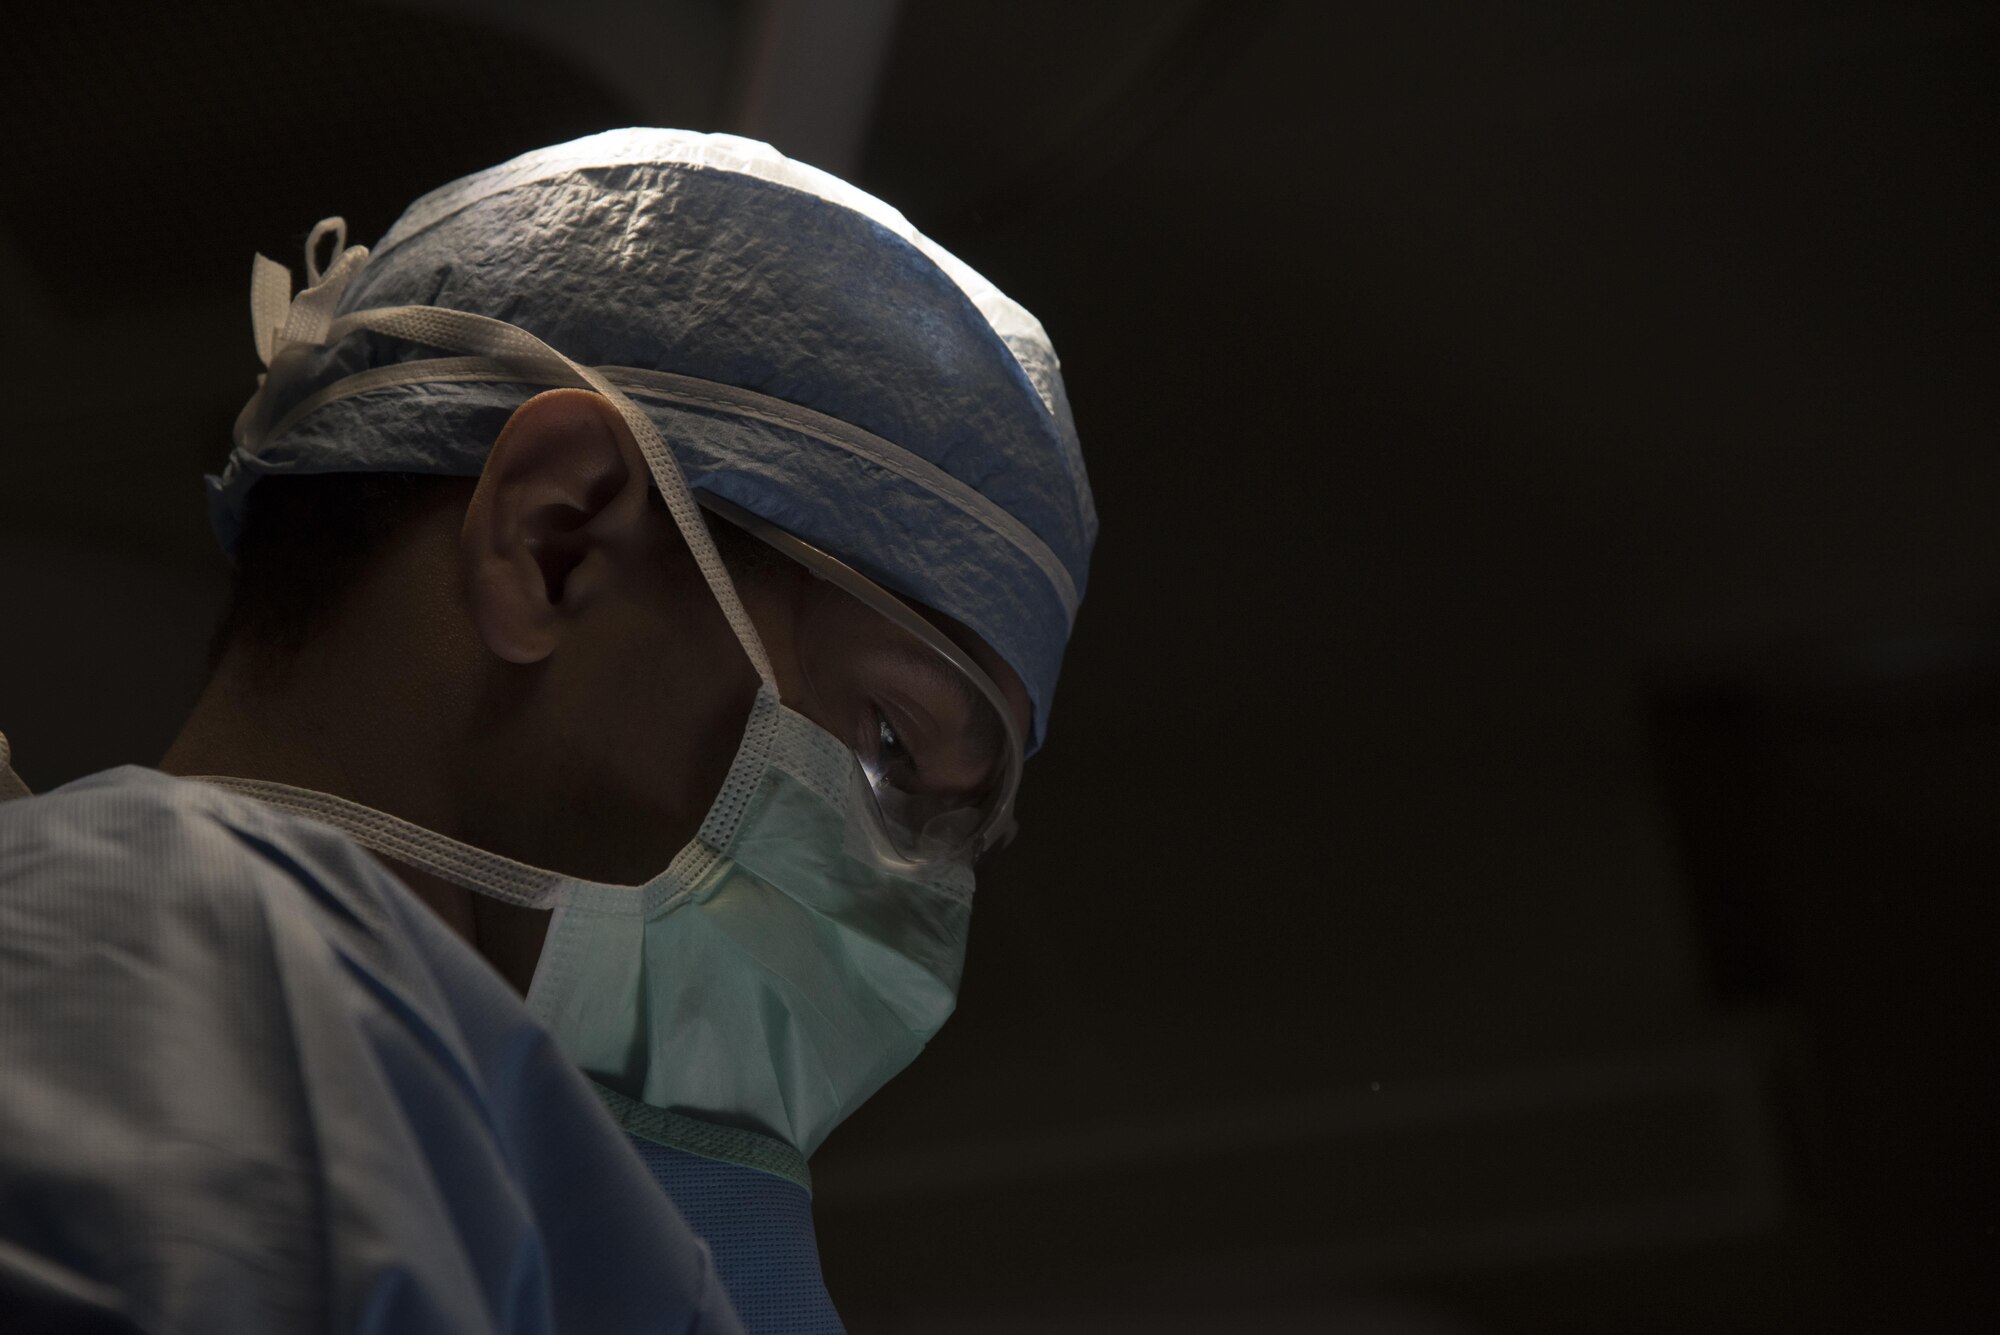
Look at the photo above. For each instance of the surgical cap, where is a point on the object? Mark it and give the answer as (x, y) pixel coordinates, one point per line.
(804, 351)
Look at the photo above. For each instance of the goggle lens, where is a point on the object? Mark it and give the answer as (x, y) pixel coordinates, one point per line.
(933, 736)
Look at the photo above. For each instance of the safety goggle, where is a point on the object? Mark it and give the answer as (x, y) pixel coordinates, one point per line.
(935, 739)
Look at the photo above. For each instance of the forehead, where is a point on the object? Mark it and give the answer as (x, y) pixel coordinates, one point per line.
(1012, 689)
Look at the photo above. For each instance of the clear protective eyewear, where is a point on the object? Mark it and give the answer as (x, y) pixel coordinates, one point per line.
(936, 741)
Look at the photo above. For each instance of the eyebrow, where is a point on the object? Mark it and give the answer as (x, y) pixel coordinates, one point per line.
(934, 666)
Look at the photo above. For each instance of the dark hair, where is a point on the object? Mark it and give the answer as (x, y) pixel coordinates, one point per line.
(306, 541)
(304, 544)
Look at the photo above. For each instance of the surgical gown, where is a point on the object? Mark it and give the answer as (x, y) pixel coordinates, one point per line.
(249, 1083)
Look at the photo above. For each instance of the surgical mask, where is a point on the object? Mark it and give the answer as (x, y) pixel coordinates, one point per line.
(793, 957)
(776, 974)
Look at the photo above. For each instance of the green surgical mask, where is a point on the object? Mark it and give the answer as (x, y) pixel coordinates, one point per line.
(780, 970)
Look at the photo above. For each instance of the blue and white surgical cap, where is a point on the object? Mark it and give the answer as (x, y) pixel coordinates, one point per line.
(803, 350)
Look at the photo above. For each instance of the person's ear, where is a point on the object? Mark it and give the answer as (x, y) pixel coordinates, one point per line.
(560, 504)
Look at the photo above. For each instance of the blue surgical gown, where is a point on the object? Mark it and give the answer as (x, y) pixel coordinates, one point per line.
(249, 1083)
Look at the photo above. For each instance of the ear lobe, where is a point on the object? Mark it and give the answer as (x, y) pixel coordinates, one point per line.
(563, 484)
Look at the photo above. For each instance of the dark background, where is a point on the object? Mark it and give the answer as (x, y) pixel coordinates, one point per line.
(1516, 850)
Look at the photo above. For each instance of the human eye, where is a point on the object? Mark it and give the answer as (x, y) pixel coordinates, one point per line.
(917, 753)
(891, 744)
(889, 748)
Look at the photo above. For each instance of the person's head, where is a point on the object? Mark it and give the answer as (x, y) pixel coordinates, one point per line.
(788, 350)
(796, 736)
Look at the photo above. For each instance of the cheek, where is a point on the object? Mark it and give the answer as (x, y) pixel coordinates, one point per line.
(655, 712)
(698, 692)
(667, 692)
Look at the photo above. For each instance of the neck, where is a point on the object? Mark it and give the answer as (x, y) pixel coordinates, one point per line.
(286, 733)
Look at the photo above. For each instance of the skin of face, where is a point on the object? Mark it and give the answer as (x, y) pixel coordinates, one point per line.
(535, 666)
